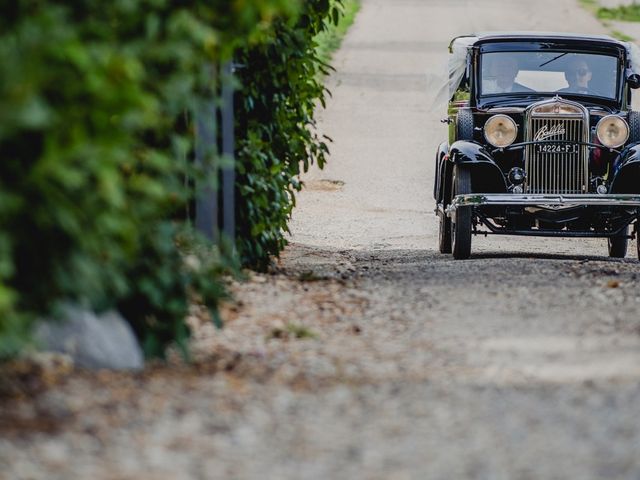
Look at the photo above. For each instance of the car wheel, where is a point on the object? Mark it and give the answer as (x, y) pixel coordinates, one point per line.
(444, 233)
(618, 244)
(461, 223)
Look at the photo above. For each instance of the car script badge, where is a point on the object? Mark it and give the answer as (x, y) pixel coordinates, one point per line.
(548, 132)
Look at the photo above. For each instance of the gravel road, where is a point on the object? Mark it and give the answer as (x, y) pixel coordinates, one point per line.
(366, 354)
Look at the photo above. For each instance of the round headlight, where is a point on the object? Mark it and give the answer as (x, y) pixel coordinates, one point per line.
(500, 131)
(612, 131)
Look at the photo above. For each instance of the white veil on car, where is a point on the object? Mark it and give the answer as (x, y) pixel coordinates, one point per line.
(458, 49)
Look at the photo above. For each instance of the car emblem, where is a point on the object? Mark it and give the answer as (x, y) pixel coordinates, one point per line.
(548, 132)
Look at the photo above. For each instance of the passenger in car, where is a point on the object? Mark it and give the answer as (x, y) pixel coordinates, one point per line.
(503, 71)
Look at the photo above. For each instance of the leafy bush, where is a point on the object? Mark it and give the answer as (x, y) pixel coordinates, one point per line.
(157, 304)
(281, 88)
(96, 140)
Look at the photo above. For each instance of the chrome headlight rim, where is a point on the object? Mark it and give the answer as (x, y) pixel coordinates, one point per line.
(622, 121)
(496, 118)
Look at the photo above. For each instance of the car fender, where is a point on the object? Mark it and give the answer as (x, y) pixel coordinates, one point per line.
(441, 156)
(626, 171)
(486, 175)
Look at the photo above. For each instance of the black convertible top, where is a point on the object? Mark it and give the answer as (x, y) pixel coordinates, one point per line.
(482, 37)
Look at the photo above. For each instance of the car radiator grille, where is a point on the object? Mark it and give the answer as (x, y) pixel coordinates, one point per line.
(556, 172)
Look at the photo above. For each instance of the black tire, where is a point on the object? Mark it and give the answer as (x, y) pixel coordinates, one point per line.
(464, 124)
(461, 224)
(618, 244)
(444, 233)
(444, 222)
(634, 127)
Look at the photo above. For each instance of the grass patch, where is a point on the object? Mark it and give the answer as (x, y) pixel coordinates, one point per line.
(293, 331)
(625, 13)
(329, 41)
(300, 331)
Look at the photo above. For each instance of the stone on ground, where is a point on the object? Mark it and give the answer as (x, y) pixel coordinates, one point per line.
(93, 341)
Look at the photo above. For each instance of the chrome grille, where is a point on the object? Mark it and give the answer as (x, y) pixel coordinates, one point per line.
(557, 172)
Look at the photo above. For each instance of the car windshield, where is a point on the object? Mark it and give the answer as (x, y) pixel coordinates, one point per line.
(549, 72)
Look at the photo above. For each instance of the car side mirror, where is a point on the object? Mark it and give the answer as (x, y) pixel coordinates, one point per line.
(633, 80)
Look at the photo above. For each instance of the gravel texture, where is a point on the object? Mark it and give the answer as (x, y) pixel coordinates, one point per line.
(365, 354)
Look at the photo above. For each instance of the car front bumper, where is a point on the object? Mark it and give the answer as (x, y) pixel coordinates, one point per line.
(542, 200)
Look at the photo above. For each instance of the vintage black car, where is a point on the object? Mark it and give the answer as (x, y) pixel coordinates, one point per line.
(542, 140)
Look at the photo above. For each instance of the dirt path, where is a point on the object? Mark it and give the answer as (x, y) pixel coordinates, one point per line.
(369, 355)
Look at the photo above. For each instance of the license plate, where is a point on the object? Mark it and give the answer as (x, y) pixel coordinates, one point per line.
(566, 148)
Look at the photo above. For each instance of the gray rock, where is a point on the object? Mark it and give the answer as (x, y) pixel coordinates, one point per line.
(93, 341)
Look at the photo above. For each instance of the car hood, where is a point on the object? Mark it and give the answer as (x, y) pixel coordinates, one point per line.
(519, 100)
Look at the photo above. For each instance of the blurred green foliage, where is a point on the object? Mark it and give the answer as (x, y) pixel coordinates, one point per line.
(626, 13)
(96, 141)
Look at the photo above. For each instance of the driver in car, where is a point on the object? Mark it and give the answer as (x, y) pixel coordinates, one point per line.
(578, 75)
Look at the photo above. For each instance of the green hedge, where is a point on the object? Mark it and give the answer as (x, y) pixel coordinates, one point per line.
(281, 88)
(96, 140)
